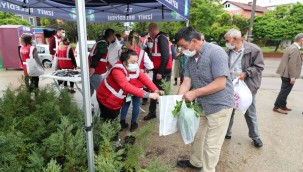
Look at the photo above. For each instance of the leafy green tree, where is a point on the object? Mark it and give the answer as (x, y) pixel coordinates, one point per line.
(283, 23)
(140, 27)
(94, 30)
(225, 22)
(10, 18)
(203, 13)
(170, 28)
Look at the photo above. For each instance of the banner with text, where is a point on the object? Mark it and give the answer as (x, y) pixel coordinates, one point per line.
(135, 12)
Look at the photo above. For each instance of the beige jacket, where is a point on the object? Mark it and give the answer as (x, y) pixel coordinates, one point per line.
(291, 63)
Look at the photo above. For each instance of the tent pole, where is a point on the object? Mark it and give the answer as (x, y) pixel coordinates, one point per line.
(187, 23)
(82, 36)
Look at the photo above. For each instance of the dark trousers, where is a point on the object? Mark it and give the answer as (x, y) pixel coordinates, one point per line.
(108, 114)
(31, 82)
(65, 83)
(153, 103)
(286, 88)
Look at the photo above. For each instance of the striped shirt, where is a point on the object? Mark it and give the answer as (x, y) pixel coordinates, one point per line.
(211, 64)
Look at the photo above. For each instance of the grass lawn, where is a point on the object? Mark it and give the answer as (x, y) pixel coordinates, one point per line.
(271, 50)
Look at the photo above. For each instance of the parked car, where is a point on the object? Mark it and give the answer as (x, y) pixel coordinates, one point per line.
(90, 44)
(44, 55)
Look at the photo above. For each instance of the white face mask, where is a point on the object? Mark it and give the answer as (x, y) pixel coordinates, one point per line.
(189, 53)
(132, 67)
(229, 46)
(62, 35)
(150, 45)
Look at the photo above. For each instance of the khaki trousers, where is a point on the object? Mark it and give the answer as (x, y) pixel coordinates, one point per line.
(209, 139)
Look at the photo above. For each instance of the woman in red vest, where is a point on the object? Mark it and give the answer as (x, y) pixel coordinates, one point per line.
(66, 60)
(145, 63)
(116, 87)
(28, 51)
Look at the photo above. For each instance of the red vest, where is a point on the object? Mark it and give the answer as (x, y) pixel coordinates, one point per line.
(26, 53)
(57, 41)
(64, 61)
(156, 55)
(109, 93)
(102, 64)
(141, 56)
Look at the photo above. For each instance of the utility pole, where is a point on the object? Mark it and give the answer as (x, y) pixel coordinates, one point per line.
(252, 17)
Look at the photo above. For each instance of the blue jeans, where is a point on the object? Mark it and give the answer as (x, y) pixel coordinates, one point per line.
(136, 109)
(95, 81)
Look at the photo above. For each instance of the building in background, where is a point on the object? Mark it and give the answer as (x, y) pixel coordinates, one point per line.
(267, 3)
(244, 9)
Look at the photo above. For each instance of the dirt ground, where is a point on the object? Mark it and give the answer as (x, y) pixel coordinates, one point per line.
(282, 135)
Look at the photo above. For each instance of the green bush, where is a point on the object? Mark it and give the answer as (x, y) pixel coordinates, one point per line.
(43, 131)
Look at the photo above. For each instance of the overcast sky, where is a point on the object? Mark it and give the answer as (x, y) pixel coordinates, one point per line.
(269, 2)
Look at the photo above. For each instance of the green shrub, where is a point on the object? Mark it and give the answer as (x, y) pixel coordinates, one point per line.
(43, 131)
(52, 166)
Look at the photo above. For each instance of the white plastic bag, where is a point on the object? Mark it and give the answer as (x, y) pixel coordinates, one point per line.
(242, 96)
(33, 69)
(188, 123)
(168, 123)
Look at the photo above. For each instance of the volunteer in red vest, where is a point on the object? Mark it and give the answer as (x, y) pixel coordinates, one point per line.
(66, 60)
(55, 40)
(28, 51)
(116, 87)
(99, 59)
(162, 59)
(134, 43)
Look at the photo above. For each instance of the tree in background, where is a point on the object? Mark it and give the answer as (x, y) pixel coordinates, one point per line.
(171, 28)
(203, 14)
(94, 30)
(283, 23)
(223, 23)
(10, 18)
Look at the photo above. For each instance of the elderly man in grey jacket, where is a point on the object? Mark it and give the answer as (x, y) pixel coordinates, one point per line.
(246, 62)
(289, 70)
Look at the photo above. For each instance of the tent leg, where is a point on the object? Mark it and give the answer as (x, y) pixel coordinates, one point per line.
(82, 35)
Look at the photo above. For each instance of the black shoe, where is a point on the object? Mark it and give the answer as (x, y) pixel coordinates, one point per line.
(175, 83)
(228, 137)
(133, 126)
(72, 91)
(186, 164)
(258, 143)
(123, 125)
(149, 117)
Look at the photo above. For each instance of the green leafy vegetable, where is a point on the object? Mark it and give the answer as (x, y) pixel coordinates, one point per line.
(166, 87)
(191, 105)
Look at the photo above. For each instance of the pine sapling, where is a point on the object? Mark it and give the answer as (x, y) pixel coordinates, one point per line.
(166, 87)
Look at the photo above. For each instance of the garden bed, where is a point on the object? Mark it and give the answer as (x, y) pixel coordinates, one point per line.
(272, 55)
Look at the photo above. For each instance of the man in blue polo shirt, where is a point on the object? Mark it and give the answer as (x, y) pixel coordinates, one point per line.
(206, 79)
